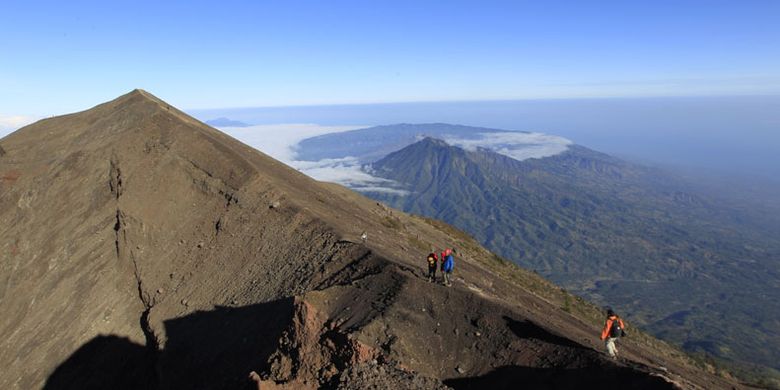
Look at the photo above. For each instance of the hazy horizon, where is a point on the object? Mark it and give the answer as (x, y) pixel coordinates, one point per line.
(729, 135)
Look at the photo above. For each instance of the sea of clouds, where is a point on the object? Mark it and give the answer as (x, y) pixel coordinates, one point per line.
(517, 145)
(281, 142)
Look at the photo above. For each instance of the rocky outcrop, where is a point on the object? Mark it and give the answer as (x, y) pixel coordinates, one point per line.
(313, 352)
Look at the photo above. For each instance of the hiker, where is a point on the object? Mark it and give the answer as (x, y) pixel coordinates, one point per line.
(447, 265)
(432, 259)
(613, 329)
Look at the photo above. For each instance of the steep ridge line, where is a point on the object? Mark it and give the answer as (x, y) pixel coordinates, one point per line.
(152, 343)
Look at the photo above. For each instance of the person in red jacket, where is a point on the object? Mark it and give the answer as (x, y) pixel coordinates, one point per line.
(613, 329)
(432, 259)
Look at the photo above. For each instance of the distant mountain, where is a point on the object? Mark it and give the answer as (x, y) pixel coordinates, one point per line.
(225, 122)
(691, 270)
(373, 143)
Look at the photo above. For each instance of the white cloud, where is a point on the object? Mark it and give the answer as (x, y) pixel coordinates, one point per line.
(385, 190)
(9, 123)
(348, 172)
(281, 141)
(342, 170)
(519, 146)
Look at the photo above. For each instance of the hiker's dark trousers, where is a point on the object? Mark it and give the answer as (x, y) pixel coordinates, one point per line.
(432, 272)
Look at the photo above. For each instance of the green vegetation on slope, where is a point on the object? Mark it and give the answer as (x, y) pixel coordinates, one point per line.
(690, 270)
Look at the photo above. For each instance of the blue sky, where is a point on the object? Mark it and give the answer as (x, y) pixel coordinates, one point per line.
(60, 57)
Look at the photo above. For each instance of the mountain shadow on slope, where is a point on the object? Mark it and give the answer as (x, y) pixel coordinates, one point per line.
(205, 350)
(551, 376)
(513, 377)
(527, 329)
(106, 362)
(216, 349)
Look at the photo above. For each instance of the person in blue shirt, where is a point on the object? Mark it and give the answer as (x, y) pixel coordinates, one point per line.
(448, 264)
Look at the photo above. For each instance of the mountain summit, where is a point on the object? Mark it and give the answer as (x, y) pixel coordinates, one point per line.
(144, 249)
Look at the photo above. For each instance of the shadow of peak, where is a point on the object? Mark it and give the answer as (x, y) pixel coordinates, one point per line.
(218, 348)
(514, 377)
(529, 330)
(105, 362)
(213, 349)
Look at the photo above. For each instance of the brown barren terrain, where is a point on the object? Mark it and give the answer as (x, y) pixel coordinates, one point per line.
(144, 249)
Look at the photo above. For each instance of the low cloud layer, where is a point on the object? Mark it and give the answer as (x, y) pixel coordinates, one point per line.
(280, 142)
(347, 172)
(519, 146)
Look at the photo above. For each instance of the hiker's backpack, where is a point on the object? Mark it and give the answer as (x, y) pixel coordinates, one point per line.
(432, 259)
(616, 330)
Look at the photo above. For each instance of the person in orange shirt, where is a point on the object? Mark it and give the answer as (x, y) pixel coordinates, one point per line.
(613, 329)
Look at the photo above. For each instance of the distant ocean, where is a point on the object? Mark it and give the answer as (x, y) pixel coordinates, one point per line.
(722, 134)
